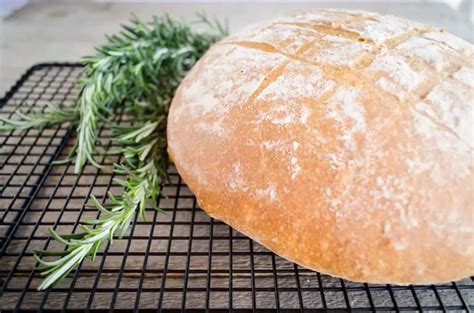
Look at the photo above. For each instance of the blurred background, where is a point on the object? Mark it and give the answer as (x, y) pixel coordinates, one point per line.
(33, 31)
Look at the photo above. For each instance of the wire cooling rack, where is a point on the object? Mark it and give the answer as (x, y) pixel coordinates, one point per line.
(175, 261)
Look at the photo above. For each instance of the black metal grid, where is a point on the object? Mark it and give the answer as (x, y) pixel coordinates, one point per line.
(179, 260)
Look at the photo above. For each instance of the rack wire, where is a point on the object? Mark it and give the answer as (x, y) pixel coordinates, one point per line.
(176, 261)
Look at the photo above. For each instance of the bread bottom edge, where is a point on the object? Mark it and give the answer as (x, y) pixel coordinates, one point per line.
(398, 283)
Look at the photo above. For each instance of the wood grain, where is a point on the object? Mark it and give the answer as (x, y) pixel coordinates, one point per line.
(140, 259)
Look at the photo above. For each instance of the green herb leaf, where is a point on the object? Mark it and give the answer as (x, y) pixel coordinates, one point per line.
(135, 73)
(52, 115)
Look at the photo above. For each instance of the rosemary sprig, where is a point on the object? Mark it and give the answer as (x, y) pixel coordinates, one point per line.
(117, 215)
(53, 115)
(139, 69)
(142, 188)
(136, 72)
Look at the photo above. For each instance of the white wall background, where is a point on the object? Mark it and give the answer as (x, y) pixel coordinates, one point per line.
(47, 30)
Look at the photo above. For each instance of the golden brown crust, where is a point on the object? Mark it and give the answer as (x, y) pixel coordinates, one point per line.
(340, 140)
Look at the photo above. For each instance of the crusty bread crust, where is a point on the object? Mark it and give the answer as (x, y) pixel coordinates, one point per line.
(340, 140)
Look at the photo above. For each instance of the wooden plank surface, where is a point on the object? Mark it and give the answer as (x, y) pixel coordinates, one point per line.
(169, 252)
(43, 32)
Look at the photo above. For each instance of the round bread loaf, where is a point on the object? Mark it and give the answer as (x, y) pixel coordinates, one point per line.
(340, 140)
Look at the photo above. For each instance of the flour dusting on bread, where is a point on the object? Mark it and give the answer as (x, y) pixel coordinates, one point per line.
(341, 140)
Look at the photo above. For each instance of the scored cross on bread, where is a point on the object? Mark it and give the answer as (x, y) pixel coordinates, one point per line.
(340, 140)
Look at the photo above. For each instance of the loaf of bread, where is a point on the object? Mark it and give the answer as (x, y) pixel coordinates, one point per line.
(340, 140)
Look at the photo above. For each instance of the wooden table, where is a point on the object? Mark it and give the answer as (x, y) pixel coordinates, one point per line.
(65, 32)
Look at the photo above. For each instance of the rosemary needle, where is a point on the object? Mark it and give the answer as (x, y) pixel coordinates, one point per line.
(135, 72)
